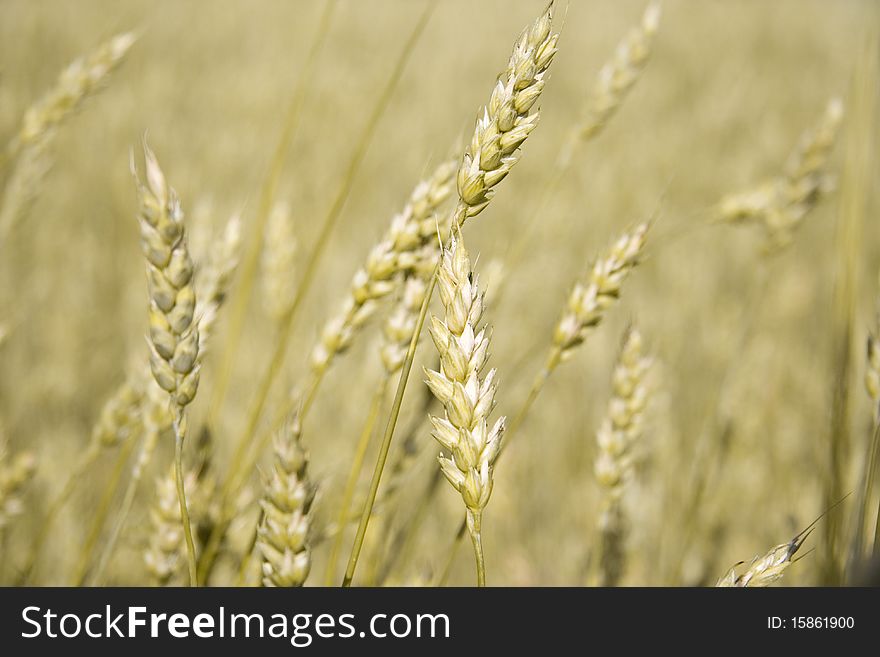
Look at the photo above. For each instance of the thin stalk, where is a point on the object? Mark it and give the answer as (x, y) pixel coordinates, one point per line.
(181, 496)
(474, 520)
(703, 464)
(286, 321)
(101, 513)
(389, 433)
(864, 503)
(268, 192)
(453, 551)
(354, 472)
(55, 506)
(147, 447)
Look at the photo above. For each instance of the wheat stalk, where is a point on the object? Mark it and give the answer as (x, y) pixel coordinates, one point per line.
(502, 127)
(283, 534)
(619, 433)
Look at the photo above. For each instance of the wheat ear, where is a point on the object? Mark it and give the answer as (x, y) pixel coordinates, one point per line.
(764, 570)
(283, 535)
(620, 431)
(467, 398)
(31, 145)
(781, 204)
(174, 335)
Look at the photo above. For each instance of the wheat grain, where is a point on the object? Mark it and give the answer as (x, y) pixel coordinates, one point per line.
(619, 433)
(283, 536)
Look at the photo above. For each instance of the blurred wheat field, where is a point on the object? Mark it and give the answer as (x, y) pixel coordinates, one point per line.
(757, 373)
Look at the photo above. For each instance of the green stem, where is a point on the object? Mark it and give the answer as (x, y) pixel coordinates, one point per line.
(181, 496)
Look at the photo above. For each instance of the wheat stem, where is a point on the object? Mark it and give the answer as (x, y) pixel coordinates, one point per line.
(354, 472)
(250, 261)
(286, 322)
(179, 436)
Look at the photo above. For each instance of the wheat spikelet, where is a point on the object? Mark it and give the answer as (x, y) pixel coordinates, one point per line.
(507, 120)
(406, 249)
(620, 431)
(283, 535)
(619, 75)
(781, 204)
(467, 399)
(15, 473)
(279, 261)
(590, 299)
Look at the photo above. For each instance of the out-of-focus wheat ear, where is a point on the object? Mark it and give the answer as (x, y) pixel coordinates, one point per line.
(619, 75)
(592, 297)
(407, 249)
(22, 187)
(780, 204)
(617, 438)
(214, 279)
(283, 535)
(279, 261)
(165, 555)
(29, 150)
(15, 473)
(82, 78)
